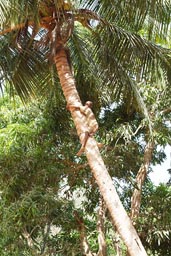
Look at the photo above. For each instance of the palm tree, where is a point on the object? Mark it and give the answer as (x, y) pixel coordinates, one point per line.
(36, 36)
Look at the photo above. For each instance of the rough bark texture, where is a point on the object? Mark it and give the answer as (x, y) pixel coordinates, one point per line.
(118, 214)
(141, 175)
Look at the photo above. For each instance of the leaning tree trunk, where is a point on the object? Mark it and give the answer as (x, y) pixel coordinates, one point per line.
(118, 214)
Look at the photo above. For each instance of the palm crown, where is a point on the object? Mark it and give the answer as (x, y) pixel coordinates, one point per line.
(105, 45)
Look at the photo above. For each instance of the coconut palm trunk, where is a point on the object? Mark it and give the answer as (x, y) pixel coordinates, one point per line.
(118, 214)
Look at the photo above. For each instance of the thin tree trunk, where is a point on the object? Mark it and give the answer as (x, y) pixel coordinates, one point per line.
(141, 175)
(117, 244)
(101, 229)
(118, 214)
(84, 243)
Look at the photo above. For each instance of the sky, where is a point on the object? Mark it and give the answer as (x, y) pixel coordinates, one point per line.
(160, 174)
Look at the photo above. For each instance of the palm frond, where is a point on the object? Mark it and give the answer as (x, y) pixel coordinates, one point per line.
(124, 59)
(26, 70)
(136, 55)
(108, 56)
(13, 13)
(134, 15)
(85, 67)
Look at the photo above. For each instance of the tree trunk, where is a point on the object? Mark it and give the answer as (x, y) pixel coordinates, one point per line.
(141, 175)
(84, 243)
(118, 214)
(117, 244)
(101, 229)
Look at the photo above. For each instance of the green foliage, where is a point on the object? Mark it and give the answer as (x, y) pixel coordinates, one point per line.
(38, 179)
(154, 221)
(31, 171)
(36, 162)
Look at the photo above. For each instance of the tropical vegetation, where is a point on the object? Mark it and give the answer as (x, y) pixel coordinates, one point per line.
(115, 55)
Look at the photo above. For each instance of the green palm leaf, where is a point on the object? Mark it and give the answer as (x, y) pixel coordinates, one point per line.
(110, 51)
(133, 15)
